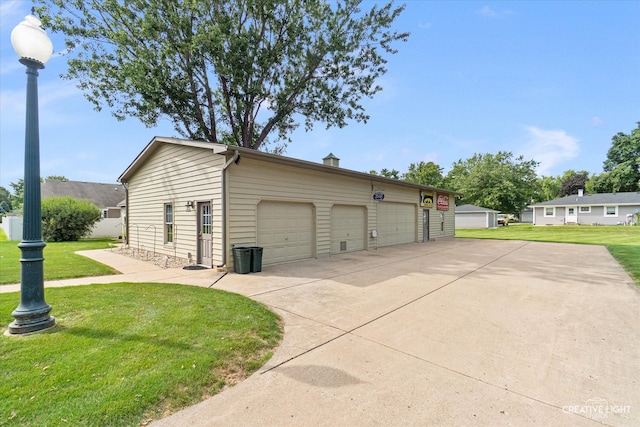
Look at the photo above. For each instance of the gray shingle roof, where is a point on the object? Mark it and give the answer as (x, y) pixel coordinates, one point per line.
(472, 208)
(101, 195)
(627, 198)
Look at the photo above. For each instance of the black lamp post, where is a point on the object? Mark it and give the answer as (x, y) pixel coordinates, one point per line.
(34, 48)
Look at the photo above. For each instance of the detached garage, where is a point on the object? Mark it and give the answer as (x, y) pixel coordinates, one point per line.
(198, 200)
(470, 216)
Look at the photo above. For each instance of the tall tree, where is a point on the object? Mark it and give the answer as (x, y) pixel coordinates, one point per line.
(18, 194)
(234, 72)
(622, 166)
(495, 181)
(423, 173)
(573, 181)
(547, 188)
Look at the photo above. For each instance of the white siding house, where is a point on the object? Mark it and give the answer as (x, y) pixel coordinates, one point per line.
(198, 200)
(589, 209)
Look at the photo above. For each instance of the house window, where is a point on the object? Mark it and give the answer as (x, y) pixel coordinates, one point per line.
(610, 211)
(105, 213)
(168, 223)
(550, 211)
(585, 209)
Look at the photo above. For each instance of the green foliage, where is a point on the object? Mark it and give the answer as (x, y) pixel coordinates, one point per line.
(5, 201)
(58, 178)
(622, 165)
(244, 70)
(18, 194)
(391, 174)
(423, 173)
(125, 353)
(67, 219)
(547, 188)
(495, 181)
(572, 181)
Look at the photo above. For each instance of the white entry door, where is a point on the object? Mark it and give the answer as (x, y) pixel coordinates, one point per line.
(572, 214)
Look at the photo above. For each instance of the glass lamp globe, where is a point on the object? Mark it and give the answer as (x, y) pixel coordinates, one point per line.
(30, 41)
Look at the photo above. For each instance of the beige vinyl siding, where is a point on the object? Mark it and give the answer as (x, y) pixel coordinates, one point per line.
(175, 174)
(253, 181)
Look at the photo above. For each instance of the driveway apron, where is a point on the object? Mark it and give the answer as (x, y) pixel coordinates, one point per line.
(454, 332)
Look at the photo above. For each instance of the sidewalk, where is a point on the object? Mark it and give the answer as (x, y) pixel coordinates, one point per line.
(131, 270)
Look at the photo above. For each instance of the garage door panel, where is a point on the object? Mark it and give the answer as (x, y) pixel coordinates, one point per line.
(396, 224)
(348, 228)
(285, 231)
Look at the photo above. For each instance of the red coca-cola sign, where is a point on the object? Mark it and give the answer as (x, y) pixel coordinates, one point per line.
(443, 202)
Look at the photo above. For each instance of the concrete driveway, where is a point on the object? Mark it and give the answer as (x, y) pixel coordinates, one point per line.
(456, 332)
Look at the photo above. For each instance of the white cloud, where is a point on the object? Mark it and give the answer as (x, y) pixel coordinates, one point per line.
(11, 12)
(549, 147)
(488, 12)
(596, 121)
(425, 25)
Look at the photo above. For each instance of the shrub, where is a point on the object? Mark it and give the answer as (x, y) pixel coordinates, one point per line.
(66, 219)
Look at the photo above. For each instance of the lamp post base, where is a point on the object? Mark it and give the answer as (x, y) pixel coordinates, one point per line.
(26, 323)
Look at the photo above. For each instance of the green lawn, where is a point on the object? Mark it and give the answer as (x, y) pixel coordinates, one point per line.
(122, 354)
(622, 242)
(60, 262)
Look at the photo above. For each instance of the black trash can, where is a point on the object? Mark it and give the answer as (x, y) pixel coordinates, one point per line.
(256, 259)
(242, 260)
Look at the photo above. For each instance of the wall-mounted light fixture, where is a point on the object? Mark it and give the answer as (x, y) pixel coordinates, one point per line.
(190, 204)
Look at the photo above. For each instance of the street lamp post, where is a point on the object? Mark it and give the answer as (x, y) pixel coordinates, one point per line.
(34, 48)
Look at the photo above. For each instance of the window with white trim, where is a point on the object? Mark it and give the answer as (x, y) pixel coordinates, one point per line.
(550, 211)
(585, 209)
(168, 224)
(611, 210)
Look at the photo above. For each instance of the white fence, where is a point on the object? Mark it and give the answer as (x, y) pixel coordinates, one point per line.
(106, 227)
(12, 227)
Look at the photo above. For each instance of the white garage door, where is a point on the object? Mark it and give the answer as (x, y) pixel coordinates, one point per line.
(348, 229)
(396, 223)
(285, 231)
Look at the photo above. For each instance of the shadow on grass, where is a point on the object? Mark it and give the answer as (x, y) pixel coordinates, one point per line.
(104, 334)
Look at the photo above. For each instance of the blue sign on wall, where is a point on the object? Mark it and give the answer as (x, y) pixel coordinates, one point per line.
(378, 195)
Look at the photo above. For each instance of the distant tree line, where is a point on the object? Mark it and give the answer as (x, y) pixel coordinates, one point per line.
(500, 181)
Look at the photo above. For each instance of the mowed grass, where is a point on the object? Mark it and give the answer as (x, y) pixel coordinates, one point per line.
(123, 354)
(622, 242)
(60, 260)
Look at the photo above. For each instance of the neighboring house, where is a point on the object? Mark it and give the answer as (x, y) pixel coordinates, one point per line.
(470, 216)
(197, 200)
(592, 209)
(104, 196)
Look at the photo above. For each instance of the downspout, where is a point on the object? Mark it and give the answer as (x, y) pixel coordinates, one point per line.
(234, 159)
(125, 185)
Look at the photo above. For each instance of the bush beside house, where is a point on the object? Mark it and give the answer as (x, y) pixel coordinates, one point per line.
(67, 219)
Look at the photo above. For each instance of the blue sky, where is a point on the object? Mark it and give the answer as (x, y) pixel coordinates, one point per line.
(553, 81)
